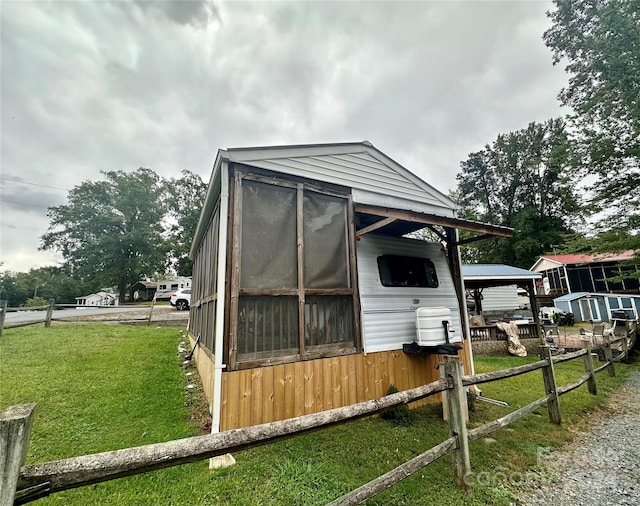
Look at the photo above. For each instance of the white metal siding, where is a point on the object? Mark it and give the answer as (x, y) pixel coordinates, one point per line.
(372, 181)
(389, 313)
(497, 298)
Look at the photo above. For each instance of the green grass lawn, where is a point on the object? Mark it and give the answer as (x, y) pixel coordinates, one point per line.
(104, 387)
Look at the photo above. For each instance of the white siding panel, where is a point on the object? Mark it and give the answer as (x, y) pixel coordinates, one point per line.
(394, 202)
(364, 173)
(388, 313)
(500, 298)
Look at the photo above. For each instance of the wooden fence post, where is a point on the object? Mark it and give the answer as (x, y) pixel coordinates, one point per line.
(3, 313)
(608, 355)
(588, 367)
(151, 311)
(47, 322)
(15, 429)
(625, 348)
(456, 401)
(549, 377)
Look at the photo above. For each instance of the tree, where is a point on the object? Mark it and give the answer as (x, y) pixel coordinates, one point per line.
(185, 199)
(58, 283)
(111, 230)
(600, 39)
(521, 180)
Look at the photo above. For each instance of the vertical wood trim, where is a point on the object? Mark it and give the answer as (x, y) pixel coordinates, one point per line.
(336, 387)
(393, 360)
(229, 265)
(233, 396)
(278, 392)
(360, 378)
(235, 277)
(353, 377)
(268, 394)
(224, 404)
(309, 378)
(289, 391)
(327, 391)
(299, 385)
(353, 270)
(381, 375)
(370, 375)
(318, 386)
(257, 396)
(246, 398)
(300, 243)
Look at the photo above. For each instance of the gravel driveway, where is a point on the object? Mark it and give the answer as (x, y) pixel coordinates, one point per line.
(603, 465)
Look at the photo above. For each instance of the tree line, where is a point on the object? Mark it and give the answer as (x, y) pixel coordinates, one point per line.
(568, 184)
(114, 232)
(565, 184)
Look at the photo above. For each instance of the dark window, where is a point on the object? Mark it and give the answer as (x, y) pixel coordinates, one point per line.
(397, 271)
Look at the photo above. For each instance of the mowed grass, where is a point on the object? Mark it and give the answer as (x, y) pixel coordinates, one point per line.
(104, 387)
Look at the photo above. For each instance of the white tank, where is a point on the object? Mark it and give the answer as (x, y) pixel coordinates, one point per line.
(429, 326)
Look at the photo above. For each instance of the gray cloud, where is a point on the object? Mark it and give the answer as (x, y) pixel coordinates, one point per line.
(90, 86)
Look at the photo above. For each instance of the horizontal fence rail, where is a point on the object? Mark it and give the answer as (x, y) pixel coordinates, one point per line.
(39, 480)
(85, 470)
(71, 316)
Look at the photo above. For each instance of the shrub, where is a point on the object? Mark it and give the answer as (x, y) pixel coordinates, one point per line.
(397, 414)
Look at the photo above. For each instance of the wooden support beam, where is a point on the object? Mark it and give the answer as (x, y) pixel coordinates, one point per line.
(375, 226)
(432, 219)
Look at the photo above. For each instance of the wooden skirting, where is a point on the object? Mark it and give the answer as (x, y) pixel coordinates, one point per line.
(268, 394)
(272, 393)
(204, 363)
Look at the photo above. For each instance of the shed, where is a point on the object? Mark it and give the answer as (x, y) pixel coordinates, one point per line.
(495, 286)
(143, 291)
(598, 307)
(304, 289)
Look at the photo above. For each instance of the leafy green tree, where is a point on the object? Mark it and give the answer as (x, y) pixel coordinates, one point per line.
(521, 180)
(600, 41)
(58, 283)
(111, 230)
(186, 196)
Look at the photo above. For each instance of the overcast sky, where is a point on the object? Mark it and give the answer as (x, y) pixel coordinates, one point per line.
(91, 86)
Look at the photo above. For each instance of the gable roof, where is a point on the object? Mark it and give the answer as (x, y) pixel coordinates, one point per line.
(374, 178)
(581, 258)
(379, 185)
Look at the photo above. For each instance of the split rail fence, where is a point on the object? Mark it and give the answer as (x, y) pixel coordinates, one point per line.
(20, 484)
(48, 314)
